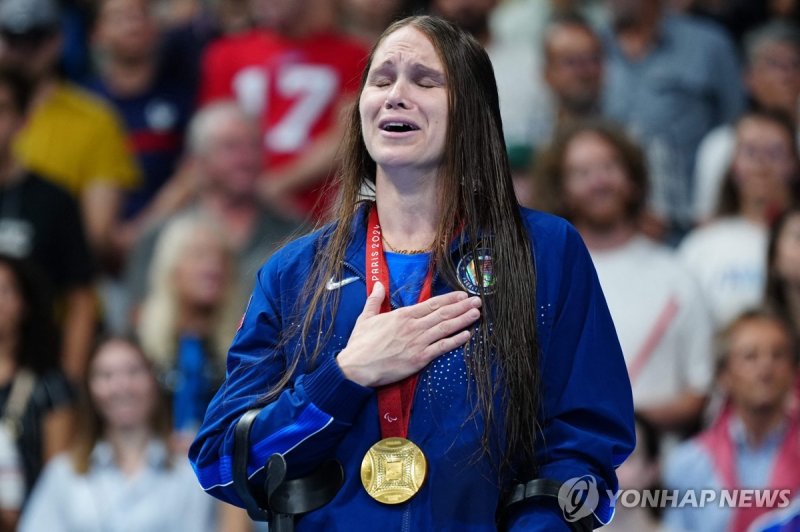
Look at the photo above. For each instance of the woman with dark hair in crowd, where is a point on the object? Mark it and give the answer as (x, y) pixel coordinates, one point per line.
(728, 255)
(35, 396)
(120, 468)
(438, 328)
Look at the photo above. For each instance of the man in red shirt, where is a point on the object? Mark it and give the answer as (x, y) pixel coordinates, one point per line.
(296, 72)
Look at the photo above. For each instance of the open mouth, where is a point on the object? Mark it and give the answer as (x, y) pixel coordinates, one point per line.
(398, 127)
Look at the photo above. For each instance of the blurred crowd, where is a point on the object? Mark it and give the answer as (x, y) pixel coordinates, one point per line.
(154, 153)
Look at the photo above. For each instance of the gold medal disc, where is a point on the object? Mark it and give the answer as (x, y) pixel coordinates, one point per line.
(393, 470)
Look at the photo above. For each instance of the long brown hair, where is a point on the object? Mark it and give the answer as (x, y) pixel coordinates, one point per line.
(476, 190)
(777, 288)
(730, 201)
(550, 172)
(91, 425)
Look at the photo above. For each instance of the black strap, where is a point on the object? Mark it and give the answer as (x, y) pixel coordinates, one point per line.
(545, 487)
(282, 499)
(241, 453)
(301, 495)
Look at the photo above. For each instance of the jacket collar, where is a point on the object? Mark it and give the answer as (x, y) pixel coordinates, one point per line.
(354, 257)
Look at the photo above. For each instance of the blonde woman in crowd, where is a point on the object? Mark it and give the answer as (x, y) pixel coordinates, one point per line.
(187, 318)
(120, 474)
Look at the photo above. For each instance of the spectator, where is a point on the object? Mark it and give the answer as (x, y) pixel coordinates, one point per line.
(573, 74)
(35, 397)
(728, 256)
(40, 222)
(120, 473)
(155, 104)
(573, 69)
(297, 73)
(188, 320)
(783, 268)
(670, 79)
(596, 177)
(755, 443)
(71, 137)
(188, 26)
(772, 76)
(225, 155)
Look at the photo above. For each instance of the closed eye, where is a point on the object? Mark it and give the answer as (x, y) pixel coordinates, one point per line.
(428, 83)
(380, 82)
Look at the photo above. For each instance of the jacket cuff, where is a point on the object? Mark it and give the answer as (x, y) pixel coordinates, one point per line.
(333, 393)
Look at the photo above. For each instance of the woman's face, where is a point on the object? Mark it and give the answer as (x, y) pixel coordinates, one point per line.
(597, 189)
(202, 273)
(763, 163)
(11, 303)
(787, 251)
(404, 103)
(122, 386)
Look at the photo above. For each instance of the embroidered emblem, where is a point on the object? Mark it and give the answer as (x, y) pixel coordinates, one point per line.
(467, 271)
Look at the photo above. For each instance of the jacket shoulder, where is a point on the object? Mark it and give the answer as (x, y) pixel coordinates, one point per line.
(297, 255)
(548, 230)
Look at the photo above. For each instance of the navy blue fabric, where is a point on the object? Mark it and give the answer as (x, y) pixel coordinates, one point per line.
(586, 417)
(155, 121)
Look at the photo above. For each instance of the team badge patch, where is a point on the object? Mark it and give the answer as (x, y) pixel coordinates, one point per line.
(468, 272)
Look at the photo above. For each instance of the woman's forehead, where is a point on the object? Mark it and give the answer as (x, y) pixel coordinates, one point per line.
(406, 44)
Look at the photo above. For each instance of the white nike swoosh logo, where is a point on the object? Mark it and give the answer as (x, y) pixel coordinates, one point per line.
(333, 285)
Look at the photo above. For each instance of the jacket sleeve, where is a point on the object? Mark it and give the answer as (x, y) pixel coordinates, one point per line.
(586, 420)
(304, 423)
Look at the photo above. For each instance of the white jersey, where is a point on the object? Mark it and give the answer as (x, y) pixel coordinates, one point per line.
(662, 322)
(728, 257)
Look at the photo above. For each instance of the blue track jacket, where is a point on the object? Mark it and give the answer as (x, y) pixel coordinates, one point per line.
(586, 415)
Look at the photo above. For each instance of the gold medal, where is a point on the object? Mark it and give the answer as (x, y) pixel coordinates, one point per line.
(393, 470)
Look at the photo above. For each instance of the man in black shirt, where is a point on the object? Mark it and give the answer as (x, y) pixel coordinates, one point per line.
(40, 223)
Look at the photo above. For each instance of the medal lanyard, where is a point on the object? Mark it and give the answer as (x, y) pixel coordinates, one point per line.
(394, 400)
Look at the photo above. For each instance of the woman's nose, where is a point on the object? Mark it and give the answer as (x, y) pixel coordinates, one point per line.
(396, 97)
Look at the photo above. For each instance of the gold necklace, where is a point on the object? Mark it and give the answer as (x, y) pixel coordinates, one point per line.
(405, 251)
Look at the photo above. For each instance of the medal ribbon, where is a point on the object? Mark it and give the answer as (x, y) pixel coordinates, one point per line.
(394, 400)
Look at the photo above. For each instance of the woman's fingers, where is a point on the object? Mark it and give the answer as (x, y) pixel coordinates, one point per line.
(385, 348)
(420, 310)
(448, 312)
(449, 327)
(445, 345)
(372, 307)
